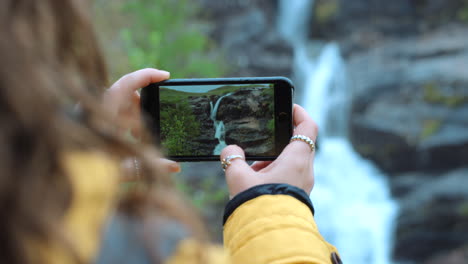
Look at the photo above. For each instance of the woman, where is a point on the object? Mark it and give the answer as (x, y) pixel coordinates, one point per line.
(60, 200)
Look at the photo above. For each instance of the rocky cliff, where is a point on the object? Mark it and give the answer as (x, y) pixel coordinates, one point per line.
(206, 141)
(408, 70)
(246, 115)
(246, 30)
(407, 63)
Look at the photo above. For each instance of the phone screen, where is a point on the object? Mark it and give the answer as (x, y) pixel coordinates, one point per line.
(194, 119)
(200, 120)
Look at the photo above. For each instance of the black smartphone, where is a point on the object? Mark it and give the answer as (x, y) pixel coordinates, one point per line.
(194, 119)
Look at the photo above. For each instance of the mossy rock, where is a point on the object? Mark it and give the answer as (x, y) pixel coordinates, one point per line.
(430, 127)
(463, 209)
(432, 94)
(462, 14)
(326, 10)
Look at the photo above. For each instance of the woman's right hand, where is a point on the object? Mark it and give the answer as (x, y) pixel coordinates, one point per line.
(293, 166)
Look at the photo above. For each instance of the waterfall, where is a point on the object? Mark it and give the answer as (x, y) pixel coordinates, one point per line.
(218, 126)
(351, 196)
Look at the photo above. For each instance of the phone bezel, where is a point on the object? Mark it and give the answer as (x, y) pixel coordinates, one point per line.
(284, 90)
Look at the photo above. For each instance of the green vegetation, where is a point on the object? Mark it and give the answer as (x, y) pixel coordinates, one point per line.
(167, 35)
(173, 96)
(462, 13)
(432, 94)
(366, 149)
(209, 191)
(463, 209)
(164, 34)
(271, 94)
(170, 96)
(271, 126)
(270, 91)
(179, 126)
(271, 109)
(430, 127)
(231, 88)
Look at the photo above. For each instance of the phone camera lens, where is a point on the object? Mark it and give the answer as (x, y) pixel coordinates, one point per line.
(283, 116)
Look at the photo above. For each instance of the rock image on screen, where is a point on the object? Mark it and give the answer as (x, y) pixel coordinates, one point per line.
(201, 120)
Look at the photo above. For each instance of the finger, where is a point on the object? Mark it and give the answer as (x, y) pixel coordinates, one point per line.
(259, 165)
(238, 166)
(298, 154)
(122, 93)
(170, 165)
(130, 116)
(139, 79)
(136, 126)
(237, 174)
(304, 124)
(129, 172)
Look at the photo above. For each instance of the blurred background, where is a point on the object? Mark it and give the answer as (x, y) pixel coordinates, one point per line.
(387, 82)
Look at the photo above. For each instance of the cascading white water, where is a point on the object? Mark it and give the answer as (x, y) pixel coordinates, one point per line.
(354, 210)
(218, 126)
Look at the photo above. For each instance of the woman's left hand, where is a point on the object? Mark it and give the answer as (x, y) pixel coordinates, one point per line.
(123, 100)
(130, 166)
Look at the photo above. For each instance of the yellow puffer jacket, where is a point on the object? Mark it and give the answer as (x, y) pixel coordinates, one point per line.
(267, 224)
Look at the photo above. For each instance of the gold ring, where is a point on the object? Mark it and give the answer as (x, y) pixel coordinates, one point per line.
(305, 139)
(227, 161)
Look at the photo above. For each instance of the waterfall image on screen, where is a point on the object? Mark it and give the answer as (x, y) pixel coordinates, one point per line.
(201, 120)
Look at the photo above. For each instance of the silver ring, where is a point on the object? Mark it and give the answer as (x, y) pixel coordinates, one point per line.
(137, 167)
(227, 161)
(305, 139)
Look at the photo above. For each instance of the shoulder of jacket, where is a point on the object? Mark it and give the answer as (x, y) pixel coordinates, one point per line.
(94, 180)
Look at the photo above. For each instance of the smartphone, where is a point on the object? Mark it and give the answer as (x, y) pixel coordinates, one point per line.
(194, 119)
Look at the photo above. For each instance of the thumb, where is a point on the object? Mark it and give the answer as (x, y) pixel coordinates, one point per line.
(239, 175)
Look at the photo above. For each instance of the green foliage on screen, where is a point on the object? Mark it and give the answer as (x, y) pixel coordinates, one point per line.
(178, 126)
(165, 34)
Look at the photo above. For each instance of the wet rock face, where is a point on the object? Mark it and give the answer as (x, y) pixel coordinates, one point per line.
(433, 214)
(455, 256)
(361, 24)
(245, 103)
(416, 135)
(246, 29)
(250, 134)
(407, 63)
(410, 113)
(201, 110)
(409, 116)
(246, 115)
